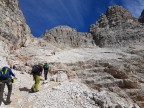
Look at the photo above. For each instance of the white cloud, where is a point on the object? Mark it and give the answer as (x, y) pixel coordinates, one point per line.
(134, 6)
(72, 11)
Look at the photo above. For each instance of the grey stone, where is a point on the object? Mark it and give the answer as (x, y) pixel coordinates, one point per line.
(63, 36)
(13, 28)
(117, 28)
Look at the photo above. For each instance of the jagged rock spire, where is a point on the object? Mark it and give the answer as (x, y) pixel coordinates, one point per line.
(117, 28)
(115, 16)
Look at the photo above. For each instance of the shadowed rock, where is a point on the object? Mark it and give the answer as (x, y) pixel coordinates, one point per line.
(141, 18)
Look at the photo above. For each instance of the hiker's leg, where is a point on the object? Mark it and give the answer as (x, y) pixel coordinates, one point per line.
(9, 85)
(2, 85)
(33, 87)
(45, 74)
(37, 81)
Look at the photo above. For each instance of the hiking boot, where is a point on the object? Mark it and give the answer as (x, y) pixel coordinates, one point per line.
(32, 91)
(7, 102)
(36, 91)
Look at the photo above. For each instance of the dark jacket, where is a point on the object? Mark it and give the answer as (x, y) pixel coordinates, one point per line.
(46, 67)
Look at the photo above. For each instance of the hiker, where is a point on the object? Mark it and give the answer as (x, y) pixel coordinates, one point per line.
(6, 78)
(46, 69)
(36, 72)
(14, 66)
(53, 53)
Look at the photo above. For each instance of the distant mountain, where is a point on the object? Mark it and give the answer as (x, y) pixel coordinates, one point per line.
(117, 28)
(67, 36)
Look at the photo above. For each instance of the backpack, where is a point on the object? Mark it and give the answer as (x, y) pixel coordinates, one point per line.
(4, 74)
(46, 67)
(36, 70)
(14, 66)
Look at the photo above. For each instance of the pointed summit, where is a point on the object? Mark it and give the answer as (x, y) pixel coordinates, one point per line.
(117, 15)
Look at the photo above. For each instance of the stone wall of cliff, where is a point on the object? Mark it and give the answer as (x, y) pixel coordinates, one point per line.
(117, 28)
(66, 36)
(13, 28)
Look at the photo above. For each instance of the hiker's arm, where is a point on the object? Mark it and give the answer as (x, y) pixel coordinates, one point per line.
(12, 74)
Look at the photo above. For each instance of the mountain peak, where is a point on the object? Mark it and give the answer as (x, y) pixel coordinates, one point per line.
(115, 16)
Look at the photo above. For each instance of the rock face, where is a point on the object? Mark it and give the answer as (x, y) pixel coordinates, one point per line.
(141, 18)
(13, 28)
(66, 36)
(117, 28)
(3, 54)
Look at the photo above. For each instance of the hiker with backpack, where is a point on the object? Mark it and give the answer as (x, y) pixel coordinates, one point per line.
(46, 69)
(6, 78)
(36, 72)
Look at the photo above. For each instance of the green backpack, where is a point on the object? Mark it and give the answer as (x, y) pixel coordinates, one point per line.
(46, 67)
(4, 74)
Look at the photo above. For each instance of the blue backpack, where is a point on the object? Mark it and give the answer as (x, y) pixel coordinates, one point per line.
(4, 74)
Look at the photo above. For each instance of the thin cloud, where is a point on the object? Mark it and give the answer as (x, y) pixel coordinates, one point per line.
(78, 9)
(72, 11)
(134, 6)
(46, 14)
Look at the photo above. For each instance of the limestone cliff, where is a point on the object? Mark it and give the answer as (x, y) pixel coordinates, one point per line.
(117, 28)
(13, 28)
(66, 36)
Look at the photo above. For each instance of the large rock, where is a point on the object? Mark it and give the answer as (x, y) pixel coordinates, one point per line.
(65, 36)
(117, 28)
(13, 27)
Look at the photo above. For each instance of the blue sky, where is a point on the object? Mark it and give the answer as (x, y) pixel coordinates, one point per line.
(80, 14)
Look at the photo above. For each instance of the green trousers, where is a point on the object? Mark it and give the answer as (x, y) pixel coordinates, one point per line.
(37, 81)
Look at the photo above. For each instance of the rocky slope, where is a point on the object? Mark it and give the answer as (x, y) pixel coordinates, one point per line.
(117, 28)
(104, 70)
(62, 94)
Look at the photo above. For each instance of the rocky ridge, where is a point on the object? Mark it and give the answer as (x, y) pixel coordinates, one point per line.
(117, 28)
(66, 36)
